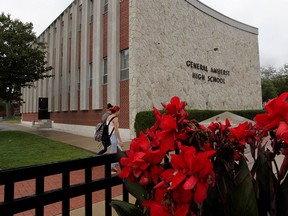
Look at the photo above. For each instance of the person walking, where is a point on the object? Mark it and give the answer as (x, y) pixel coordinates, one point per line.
(103, 119)
(115, 138)
(107, 113)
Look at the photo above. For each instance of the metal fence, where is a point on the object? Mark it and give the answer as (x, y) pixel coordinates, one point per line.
(12, 205)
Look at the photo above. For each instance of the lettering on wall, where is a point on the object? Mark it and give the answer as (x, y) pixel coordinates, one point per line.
(209, 77)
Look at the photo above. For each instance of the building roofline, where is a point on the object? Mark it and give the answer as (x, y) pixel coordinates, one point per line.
(219, 16)
(61, 14)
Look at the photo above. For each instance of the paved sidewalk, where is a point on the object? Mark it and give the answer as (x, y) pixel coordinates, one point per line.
(76, 204)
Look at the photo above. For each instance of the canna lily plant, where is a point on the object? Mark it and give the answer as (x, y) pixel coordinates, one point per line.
(180, 167)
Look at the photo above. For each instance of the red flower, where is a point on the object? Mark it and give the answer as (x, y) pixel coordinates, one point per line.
(142, 162)
(168, 133)
(156, 208)
(218, 127)
(176, 108)
(194, 171)
(277, 110)
(282, 132)
(239, 133)
(174, 202)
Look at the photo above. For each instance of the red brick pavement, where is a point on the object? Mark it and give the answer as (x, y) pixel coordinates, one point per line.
(26, 188)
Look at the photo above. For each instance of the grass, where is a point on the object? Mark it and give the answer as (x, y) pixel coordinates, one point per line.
(20, 149)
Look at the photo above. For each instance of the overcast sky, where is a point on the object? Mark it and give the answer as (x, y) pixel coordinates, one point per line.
(270, 17)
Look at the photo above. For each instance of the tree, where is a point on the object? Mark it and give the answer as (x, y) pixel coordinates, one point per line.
(22, 58)
(268, 72)
(273, 81)
(268, 90)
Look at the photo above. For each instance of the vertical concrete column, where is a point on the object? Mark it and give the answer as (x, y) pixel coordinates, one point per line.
(39, 84)
(97, 54)
(57, 88)
(29, 100)
(65, 62)
(84, 94)
(45, 80)
(113, 93)
(22, 107)
(35, 97)
(50, 62)
(74, 59)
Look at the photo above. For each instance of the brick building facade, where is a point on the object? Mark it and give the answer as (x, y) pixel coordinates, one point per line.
(140, 53)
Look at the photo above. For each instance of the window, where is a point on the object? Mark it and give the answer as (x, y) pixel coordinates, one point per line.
(91, 10)
(79, 79)
(124, 70)
(90, 75)
(105, 71)
(69, 81)
(80, 17)
(105, 9)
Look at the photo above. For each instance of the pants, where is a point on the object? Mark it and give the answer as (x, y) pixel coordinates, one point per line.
(113, 148)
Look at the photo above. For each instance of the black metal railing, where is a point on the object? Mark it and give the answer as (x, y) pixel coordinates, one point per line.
(41, 198)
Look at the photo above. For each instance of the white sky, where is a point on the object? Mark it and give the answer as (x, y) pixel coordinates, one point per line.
(270, 17)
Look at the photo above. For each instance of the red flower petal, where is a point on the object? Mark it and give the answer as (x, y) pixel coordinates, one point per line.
(156, 208)
(182, 211)
(190, 183)
(178, 178)
(282, 132)
(200, 193)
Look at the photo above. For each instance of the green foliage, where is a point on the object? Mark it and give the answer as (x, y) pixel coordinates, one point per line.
(273, 81)
(22, 58)
(268, 90)
(20, 149)
(146, 119)
(281, 84)
(12, 119)
(125, 209)
(136, 189)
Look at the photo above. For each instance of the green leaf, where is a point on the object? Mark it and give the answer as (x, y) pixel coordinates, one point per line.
(212, 205)
(243, 171)
(217, 202)
(265, 182)
(136, 190)
(243, 199)
(255, 167)
(283, 198)
(126, 209)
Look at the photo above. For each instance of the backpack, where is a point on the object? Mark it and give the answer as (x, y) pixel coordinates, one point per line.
(98, 132)
(105, 134)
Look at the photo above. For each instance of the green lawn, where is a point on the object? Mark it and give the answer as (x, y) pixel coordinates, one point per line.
(19, 149)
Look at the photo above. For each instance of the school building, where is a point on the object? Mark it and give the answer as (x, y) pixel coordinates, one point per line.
(137, 54)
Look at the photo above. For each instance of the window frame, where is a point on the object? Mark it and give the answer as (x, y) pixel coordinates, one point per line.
(105, 6)
(105, 71)
(124, 64)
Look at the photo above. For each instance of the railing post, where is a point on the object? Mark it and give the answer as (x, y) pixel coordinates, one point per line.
(125, 193)
(66, 185)
(88, 196)
(39, 190)
(108, 197)
(9, 195)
